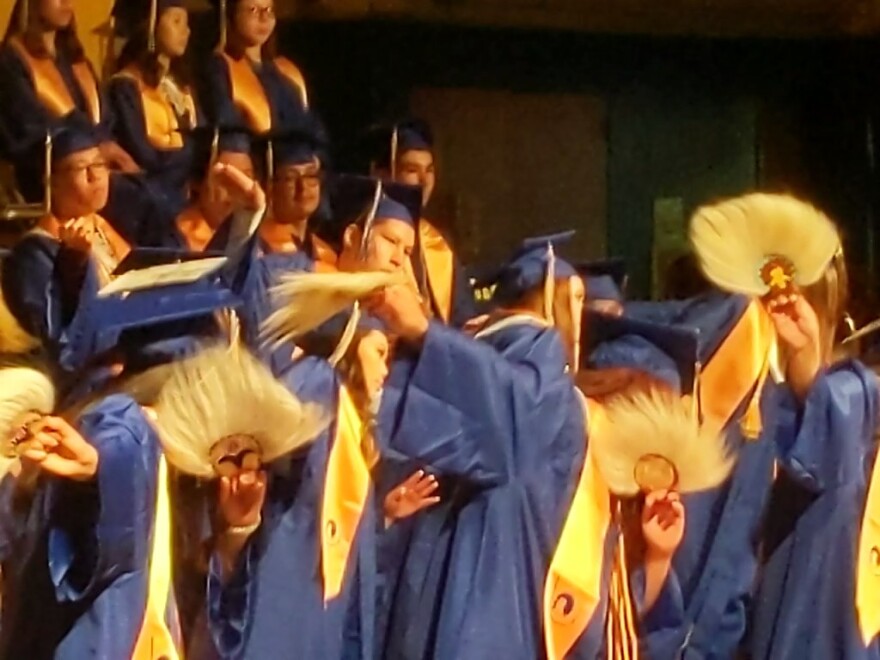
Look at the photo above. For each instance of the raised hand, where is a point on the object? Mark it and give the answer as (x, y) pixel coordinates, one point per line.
(58, 448)
(417, 492)
(663, 521)
(246, 192)
(797, 327)
(241, 498)
(400, 309)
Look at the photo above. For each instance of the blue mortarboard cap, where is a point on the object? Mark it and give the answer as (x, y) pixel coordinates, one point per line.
(527, 269)
(352, 198)
(606, 279)
(298, 143)
(103, 318)
(666, 352)
(389, 141)
(209, 141)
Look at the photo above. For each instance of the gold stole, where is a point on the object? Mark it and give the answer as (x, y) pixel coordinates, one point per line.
(438, 267)
(739, 366)
(346, 487)
(155, 641)
(50, 86)
(248, 93)
(868, 566)
(160, 120)
(574, 582)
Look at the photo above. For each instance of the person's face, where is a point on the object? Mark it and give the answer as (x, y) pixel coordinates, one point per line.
(416, 168)
(372, 355)
(172, 32)
(254, 21)
(389, 245)
(296, 192)
(80, 183)
(56, 14)
(217, 196)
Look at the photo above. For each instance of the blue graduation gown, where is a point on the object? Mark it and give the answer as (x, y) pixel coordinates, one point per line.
(500, 418)
(26, 121)
(273, 605)
(166, 170)
(76, 566)
(704, 610)
(286, 102)
(805, 605)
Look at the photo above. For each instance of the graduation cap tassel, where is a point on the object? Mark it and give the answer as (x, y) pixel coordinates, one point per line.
(47, 174)
(371, 217)
(222, 43)
(550, 284)
(24, 16)
(395, 139)
(151, 35)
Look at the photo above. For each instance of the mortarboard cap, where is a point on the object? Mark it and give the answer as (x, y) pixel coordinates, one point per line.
(666, 352)
(131, 15)
(389, 142)
(530, 267)
(606, 279)
(296, 144)
(210, 141)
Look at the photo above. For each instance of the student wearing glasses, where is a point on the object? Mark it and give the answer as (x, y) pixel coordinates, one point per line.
(246, 82)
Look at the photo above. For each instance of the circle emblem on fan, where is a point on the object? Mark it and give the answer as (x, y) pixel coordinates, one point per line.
(653, 472)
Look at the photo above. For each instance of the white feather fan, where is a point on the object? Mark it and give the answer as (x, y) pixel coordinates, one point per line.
(736, 238)
(23, 389)
(306, 300)
(223, 392)
(657, 424)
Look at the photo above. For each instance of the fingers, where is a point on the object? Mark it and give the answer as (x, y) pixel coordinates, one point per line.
(426, 486)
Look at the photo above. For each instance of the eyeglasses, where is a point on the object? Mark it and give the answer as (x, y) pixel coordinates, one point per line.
(308, 180)
(93, 169)
(257, 12)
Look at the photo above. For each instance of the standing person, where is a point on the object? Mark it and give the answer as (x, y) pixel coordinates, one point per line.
(151, 96)
(247, 83)
(816, 580)
(44, 68)
(498, 419)
(405, 153)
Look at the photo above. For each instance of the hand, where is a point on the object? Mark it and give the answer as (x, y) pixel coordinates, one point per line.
(474, 325)
(400, 309)
(413, 495)
(662, 524)
(57, 448)
(246, 192)
(241, 498)
(118, 158)
(77, 234)
(797, 327)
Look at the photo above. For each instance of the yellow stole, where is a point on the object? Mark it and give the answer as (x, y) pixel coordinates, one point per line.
(573, 588)
(868, 566)
(739, 366)
(438, 267)
(50, 87)
(248, 93)
(346, 487)
(160, 121)
(155, 642)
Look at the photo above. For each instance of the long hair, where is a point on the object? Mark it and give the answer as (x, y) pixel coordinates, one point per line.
(234, 48)
(533, 301)
(67, 42)
(829, 297)
(135, 52)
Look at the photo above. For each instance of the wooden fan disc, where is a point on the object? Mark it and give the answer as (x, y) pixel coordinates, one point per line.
(653, 472)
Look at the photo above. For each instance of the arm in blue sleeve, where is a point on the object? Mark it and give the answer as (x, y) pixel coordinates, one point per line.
(130, 131)
(101, 530)
(464, 406)
(822, 443)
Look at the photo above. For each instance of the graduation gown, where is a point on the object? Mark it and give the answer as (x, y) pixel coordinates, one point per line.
(439, 272)
(267, 96)
(499, 417)
(805, 604)
(45, 90)
(76, 555)
(273, 606)
(153, 131)
(703, 611)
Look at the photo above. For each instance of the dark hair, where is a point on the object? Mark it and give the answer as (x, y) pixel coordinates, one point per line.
(135, 52)
(269, 49)
(67, 42)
